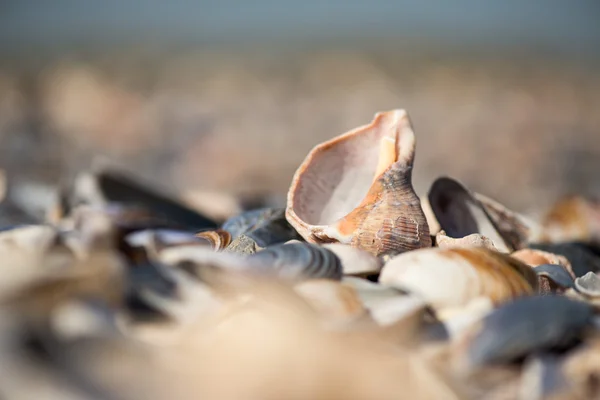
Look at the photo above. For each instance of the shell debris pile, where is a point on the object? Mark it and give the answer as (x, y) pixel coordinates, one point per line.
(123, 292)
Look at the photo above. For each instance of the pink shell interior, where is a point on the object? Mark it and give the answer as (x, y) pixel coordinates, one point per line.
(337, 174)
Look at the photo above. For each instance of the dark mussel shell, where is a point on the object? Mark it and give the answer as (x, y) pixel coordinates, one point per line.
(557, 276)
(528, 325)
(583, 258)
(266, 226)
(455, 208)
(148, 277)
(110, 186)
(298, 261)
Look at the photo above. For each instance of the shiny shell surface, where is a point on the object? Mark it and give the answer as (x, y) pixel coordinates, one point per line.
(298, 261)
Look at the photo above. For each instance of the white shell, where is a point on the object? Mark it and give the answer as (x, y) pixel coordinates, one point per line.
(355, 261)
(452, 278)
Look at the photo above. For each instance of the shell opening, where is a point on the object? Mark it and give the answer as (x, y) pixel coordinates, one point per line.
(338, 174)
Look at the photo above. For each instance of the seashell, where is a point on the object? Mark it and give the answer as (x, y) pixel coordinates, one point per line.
(243, 244)
(266, 226)
(106, 186)
(249, 220)
(461, 212)
(553, 278)
(30, 238)
(402, 315)
(444, 241)
(543, 378)
(581, 370)
(573, 218)
(195, 259)
(554, 271)
(356, 189)
(589, 284)
(528, 325)
(582, 257)
(158, 239)
(432, 222)
(355, 261)
(450, 278)
(297, 262)
(218, 239)
(372, 293)
(334, 301)
(459, 321)
(534, 257)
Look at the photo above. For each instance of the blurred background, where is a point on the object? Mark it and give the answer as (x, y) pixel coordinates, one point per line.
(229, 96)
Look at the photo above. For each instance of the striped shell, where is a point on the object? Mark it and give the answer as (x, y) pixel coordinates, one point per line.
(449, 278)
(356, 189)
(218, 239)
(297, 261)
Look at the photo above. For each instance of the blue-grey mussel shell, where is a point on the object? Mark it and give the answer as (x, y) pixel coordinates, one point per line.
(266, 226)
(297, 261)
(557, 274)
(528, 325)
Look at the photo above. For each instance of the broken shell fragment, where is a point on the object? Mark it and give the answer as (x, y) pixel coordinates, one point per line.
(297, 261)
(444, 241)
(449, 278)
(588, 285)
(526, 325)
(356, 189)
(355, 261)
(243, 244)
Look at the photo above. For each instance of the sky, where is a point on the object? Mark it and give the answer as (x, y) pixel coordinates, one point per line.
(569, 26)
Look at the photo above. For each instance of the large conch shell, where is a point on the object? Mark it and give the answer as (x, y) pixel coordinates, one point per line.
(356, 189)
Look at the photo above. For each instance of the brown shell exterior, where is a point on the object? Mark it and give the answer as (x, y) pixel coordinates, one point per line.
(389, 220)
(534, 257)
(218, 239)
(502, 277)
(572, 218)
